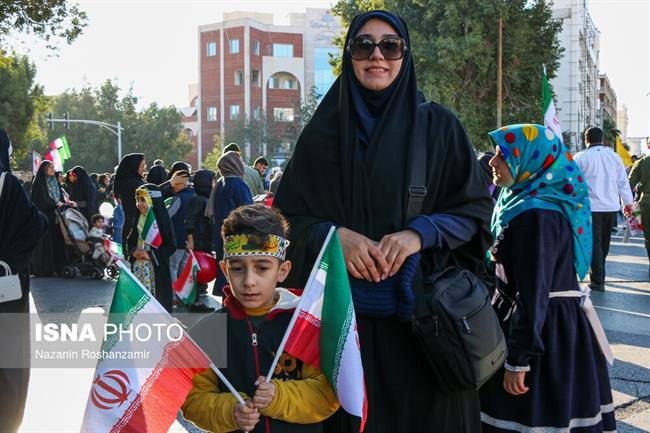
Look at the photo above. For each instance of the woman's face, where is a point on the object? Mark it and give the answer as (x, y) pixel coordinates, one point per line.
(142, 205)
(141, 168)
(501, 175)
(376, 72)
(49, 171)
(72, 177)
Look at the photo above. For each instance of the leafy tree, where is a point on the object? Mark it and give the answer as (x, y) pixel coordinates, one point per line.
(257, 132)
(154, 131)
(610, 133)
(211, 159)
(454, 47)
(49, 20)
(303, 112)
(19, 98)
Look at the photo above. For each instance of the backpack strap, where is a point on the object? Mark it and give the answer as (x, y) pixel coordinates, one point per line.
(417, 189)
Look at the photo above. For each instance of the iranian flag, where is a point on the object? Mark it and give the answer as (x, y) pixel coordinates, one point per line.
(61, 144)
(36, 162)
(185, 285)
(150, 232)
(551, 120)
(137, 396)
(323, 329)
(54, 156)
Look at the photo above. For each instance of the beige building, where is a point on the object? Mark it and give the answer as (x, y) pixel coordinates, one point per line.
(607, 98)
(621, 121)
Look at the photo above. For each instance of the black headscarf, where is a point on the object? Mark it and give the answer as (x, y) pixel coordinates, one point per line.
(5, 145)
(22, 225)
(157, 175)
(40, 195)
(330, 179)
(126, 172)
(85, 190)
(203, 182)
(178, 166)
(126, 180)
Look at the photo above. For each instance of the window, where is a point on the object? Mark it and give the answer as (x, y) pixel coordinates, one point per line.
(234, 46)
(289, 84)
(283, 114)
(255, 78)
(234, 112)
(257, 113)
(323, 75)
(212, 114)
(274, 83)
(212, 49)
(256, 47)
(282, 50)
(239, 77)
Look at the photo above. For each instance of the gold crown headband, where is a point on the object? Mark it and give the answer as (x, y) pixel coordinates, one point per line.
(247, 246)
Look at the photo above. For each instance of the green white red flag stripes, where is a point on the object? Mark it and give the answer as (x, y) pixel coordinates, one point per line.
(54, 156)
(323, 329)
(185, 285)
(150, 232)
(551, 121)
(62, 145)
(134, 398)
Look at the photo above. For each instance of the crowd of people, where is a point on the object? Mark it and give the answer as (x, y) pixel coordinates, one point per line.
(529, 219)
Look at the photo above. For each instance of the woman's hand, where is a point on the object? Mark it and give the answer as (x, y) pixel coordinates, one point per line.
(189, 244)
(513, 382)
(363, 258)
(398, 246)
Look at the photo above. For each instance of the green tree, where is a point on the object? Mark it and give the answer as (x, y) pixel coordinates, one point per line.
(303, 112)
(154, 131)
(211, 159)
(454, 47)
(20, 96)
(610, 133)
(257, 132)
(49, 20)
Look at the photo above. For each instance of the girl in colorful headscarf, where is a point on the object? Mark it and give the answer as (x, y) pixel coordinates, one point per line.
(556, 374)
(152, 243)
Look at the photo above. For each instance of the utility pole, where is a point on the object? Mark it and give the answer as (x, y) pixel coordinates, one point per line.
(500, 74)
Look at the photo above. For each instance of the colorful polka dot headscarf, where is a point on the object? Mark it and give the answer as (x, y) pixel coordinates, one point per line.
(546, 177)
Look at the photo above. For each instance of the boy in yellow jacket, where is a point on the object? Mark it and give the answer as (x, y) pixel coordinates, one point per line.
(298, 397)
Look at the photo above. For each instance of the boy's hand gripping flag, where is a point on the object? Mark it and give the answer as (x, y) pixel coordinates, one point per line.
(323, 329)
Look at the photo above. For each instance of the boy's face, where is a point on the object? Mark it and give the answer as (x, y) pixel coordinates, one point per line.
(99, 223)
(253, 279)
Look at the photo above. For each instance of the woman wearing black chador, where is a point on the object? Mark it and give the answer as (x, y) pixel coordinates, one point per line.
(352, 168)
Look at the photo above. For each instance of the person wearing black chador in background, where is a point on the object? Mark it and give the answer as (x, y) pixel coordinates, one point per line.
(351, 168)
(128, 177)
(83, 191)
(22, 226)
(157, 175)
(50, 256)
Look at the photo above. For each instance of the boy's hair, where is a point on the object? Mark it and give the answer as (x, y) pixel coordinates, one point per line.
(257, 221)
(96, 218)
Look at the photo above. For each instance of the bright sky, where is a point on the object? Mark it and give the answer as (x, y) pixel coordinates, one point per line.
(152, 45)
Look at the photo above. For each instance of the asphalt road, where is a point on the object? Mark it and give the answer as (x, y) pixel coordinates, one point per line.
(57, 397)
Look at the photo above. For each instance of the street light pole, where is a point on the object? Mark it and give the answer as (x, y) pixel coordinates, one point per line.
(115, 129)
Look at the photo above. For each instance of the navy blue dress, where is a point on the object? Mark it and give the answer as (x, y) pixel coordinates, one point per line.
(552, 339)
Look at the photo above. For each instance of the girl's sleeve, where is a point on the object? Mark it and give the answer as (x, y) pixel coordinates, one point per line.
(535, 250)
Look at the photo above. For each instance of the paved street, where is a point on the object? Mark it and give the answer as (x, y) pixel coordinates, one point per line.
(57, 397)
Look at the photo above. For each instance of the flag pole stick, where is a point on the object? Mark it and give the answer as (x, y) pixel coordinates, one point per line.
(214, 368)
(312, 275)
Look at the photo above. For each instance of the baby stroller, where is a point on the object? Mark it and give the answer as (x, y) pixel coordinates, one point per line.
(74, 228)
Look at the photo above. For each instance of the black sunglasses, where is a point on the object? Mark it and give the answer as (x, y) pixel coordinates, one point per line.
(392, 48)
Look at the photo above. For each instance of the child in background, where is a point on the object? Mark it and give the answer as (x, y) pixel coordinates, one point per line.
(97, 238)
(298, 398)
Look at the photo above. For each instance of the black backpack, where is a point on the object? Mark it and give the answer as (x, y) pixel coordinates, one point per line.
(454, 322)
